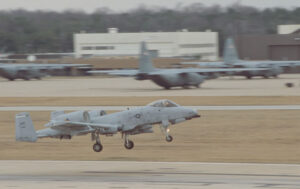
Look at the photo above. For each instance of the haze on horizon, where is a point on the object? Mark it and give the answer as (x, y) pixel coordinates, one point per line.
(127, 5)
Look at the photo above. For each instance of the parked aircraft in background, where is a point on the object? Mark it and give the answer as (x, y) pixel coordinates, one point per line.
(32, 71)
(231, 60)
(167, 78)
(129, 122)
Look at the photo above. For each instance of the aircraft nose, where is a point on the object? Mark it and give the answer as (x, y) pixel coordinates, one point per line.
(193, 114)
(196, 113)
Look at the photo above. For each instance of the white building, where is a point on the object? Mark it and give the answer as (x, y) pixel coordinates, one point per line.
(163, 44)
(287, 29)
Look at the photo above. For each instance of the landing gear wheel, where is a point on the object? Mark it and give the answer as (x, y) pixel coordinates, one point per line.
(129, 145)
(97, 147)
(169, 138)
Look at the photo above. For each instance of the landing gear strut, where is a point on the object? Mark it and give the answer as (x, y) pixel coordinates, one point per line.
(97, 147)
(165, 130)
(128, 143)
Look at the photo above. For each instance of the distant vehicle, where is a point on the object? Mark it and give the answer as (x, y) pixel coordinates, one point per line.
(129, 122)
(167, 78)
(32, 71)
(231, 60)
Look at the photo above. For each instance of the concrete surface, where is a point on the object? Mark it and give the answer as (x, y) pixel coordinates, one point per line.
(123, 174)
(97, 86)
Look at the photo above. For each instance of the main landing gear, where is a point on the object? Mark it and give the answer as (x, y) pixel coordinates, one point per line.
(128, 143)
(97, 147)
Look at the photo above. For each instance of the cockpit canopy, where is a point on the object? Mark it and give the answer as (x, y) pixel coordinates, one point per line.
(163, 103)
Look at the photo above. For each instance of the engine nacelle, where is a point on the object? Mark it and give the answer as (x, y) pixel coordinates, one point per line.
(96, 113)
(79, 116)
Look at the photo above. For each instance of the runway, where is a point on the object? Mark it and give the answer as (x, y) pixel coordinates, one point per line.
(119, 108)
(128, 174)
(98, 86)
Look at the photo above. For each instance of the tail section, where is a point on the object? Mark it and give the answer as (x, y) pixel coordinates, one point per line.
(24, 128)
(145, 60)
(230, 53)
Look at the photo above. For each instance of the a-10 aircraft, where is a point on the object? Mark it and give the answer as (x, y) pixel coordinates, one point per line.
(31, 71)
(167, 78)
(231, 60)
(130, 122)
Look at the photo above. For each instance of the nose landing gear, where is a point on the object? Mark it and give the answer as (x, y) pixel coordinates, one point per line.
(164, 127)
(169, 138)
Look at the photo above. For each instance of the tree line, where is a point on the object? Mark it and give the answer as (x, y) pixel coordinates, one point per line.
(24, 31)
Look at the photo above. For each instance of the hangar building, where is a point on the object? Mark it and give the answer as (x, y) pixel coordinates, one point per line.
(282, 46)
(203, 45)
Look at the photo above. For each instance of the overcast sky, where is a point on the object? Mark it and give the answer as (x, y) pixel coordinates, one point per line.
(125, 5)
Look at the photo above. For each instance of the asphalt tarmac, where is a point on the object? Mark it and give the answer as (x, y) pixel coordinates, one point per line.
(128, 174)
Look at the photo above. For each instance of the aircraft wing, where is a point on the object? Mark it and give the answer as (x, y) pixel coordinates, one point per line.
(214, 64)
(128, 72)
(81, 125)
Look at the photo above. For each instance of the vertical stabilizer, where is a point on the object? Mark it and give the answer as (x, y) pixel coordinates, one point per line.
(230, 53)
(145, 60)
(24, 128)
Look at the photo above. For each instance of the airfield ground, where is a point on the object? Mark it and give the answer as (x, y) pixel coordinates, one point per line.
(237, 136)
(108, 87)
(218, 136)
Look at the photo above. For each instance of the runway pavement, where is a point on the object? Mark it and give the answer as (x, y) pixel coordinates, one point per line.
(98, 86)
(118, 108)
(122, 174)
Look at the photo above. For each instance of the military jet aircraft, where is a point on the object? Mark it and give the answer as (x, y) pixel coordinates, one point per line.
(167, 78)
(231, 60)
(32, 71)
(130, 122)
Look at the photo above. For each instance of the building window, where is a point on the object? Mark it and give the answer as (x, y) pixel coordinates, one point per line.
(97, 48)
(104, 47)
(87, 48)
(197, 45)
